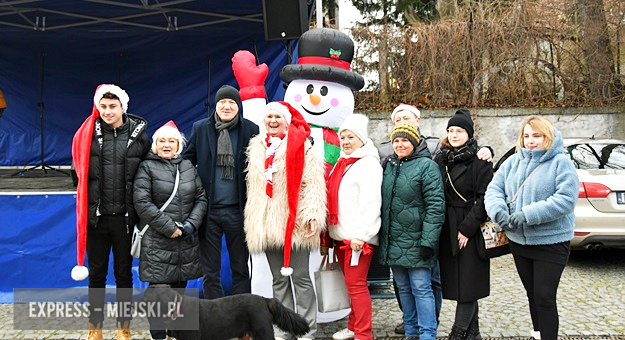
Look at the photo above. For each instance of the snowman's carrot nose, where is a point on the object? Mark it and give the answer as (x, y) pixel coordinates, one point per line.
(315, 99)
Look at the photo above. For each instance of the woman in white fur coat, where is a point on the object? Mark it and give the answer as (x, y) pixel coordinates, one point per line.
(286, 207)
(354, 205)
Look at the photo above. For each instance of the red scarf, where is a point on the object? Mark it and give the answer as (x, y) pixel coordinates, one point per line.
(270, 154)
(333, 184)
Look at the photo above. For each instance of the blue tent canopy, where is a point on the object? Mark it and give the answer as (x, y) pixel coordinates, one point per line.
(171, 56)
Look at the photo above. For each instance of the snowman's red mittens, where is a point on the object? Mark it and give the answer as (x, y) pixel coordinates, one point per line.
(251, 77)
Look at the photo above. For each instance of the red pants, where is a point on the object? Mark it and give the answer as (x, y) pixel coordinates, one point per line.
(356, 281)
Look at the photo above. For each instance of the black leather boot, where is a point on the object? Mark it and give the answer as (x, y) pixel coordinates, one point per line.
(400, 329)
(458, 334)
(474, 330)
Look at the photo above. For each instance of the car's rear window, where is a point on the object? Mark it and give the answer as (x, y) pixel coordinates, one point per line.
(588, 156)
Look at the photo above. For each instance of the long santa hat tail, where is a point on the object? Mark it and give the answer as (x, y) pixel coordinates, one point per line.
(297, 134)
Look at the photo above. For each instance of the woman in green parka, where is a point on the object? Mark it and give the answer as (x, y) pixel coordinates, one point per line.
(413, 212)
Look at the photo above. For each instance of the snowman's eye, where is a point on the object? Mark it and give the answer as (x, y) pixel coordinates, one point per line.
(324, 90)
(310, 89)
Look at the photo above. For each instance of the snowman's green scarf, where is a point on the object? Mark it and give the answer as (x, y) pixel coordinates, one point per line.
(331, 146)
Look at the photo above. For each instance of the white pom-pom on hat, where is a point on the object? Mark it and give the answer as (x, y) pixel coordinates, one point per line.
(80, 273)
(286, 271)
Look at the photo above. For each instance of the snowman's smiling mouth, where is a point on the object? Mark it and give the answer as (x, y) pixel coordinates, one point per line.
(315, 113)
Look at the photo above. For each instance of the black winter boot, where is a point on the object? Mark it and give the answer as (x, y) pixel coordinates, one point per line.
(474, 330)
(458, 334)
(400, 329)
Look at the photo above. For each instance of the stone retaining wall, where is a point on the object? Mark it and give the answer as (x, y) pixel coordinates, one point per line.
(500, 128)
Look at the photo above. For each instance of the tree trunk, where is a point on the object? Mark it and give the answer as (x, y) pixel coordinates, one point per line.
(596, 46)
(333, 18)
(383, 64)
(383, 54)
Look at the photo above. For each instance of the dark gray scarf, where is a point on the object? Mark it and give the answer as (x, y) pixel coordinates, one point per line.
(466, 152)
(225, 158)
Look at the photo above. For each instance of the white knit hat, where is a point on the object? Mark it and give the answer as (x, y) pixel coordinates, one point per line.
(114, 89)
(406, 107)
(357, 124)
(282, 109)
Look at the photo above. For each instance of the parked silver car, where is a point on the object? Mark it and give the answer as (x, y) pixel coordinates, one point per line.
(600, 209)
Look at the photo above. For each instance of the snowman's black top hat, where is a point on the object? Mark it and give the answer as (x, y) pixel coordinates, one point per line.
(324, 54)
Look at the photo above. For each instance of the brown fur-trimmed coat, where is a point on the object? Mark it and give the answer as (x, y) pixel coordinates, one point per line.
(265, 218)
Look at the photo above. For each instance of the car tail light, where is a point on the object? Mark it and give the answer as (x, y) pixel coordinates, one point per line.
(593, 190)
(581, 233)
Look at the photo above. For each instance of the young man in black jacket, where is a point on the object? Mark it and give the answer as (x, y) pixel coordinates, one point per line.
(217, 146)
(106, 151)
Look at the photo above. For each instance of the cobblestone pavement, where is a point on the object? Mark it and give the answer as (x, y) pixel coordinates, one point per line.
(591, 304)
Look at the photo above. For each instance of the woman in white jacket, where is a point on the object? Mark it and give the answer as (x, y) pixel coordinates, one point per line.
(354, 202)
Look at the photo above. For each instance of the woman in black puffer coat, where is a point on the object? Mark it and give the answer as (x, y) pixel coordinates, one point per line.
(170, 248)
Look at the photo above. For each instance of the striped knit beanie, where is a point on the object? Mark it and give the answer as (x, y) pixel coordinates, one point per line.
(406, 131)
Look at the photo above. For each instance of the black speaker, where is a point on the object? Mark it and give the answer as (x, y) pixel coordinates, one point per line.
(285, 19)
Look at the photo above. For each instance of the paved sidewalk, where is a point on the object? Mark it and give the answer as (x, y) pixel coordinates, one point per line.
(591, 303)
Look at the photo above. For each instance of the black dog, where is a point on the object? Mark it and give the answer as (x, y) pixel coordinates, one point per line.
(229, 317)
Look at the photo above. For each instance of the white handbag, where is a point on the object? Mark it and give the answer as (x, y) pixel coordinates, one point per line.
(330, 285)
(137, 234)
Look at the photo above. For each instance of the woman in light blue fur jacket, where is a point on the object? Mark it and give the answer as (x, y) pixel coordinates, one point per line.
(540, 221)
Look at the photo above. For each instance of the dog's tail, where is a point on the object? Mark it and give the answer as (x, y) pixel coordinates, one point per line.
(286, 319)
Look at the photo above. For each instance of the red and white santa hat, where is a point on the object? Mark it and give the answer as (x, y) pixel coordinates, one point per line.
(169, 126)
(284, 110)
(298, 132)
(169, 129)
(406, 107)
(114, 89)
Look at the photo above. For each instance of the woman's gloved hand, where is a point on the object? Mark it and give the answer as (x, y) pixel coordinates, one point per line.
(426, 252)
(518, 220)
(502, 218)
(188, 230)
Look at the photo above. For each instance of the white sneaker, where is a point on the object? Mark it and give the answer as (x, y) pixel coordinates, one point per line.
(535, 334)
(343, 334)
(279, 338)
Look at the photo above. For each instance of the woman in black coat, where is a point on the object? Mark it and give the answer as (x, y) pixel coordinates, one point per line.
(465, 271)
(170, 247)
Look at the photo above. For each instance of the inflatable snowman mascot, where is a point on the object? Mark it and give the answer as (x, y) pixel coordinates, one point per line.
(320, 86)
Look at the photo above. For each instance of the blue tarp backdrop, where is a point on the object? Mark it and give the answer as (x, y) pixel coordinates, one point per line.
(166, 73)
(169, 56)
(39, 246)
